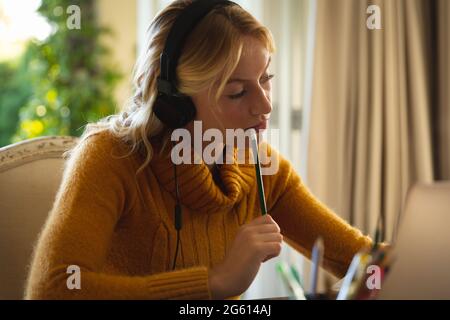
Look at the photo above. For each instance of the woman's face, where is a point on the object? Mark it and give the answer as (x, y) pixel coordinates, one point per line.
(246, 100)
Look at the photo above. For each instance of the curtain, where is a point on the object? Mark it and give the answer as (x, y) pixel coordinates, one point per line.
(380, 107)
(442, 116)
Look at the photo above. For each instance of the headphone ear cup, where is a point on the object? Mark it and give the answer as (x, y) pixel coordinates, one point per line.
(175, 112)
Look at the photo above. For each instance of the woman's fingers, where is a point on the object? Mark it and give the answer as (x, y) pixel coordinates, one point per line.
(264, 219)
(266, 228)
(271, 250)
(270, 237)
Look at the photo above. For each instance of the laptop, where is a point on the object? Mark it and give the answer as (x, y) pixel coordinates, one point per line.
(421, 269)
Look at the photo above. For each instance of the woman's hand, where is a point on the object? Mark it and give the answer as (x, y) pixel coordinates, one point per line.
(255, 242)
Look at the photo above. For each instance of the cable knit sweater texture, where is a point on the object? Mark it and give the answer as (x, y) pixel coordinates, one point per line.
(118, 226)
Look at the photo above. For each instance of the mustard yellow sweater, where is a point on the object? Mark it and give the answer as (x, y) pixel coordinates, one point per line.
(118, 226)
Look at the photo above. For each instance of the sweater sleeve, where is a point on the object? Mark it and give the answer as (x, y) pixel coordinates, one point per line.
(93, 196)
(303, 218)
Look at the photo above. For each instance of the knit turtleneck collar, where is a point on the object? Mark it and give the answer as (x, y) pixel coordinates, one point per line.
(197, 188)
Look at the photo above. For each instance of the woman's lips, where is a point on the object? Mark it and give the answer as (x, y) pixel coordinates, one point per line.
(262, 125)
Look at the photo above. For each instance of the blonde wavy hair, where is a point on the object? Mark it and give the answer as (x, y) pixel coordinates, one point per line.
(210, 56)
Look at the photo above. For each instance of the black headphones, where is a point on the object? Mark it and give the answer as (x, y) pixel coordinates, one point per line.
(172, 108)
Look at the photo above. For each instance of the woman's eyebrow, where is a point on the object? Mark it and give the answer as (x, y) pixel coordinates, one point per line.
(244, 80)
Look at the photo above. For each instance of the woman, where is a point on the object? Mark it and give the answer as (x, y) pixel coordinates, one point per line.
(113, 219)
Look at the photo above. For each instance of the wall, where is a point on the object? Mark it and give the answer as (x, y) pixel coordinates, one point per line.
(120, 16)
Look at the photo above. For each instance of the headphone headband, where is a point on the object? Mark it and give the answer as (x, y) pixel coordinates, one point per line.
(182, 27)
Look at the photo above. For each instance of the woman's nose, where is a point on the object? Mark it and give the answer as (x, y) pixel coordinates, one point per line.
(262, 103)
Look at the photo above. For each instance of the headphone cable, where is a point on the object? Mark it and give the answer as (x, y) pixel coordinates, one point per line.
(177, 215)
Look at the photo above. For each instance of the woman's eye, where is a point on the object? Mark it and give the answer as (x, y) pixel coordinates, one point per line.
(239, 95)
(265, 79)
(268, 77)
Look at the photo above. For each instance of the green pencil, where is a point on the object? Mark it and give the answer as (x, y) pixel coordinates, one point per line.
(259, 180)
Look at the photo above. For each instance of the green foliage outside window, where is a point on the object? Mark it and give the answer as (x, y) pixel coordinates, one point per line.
(64, 81)
(15, 90)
